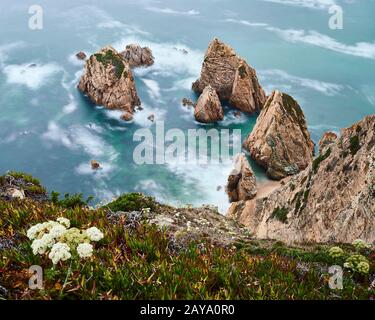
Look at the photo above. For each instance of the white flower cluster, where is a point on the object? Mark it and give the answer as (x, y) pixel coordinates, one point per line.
(357, 263)
(61, 241)
(360, 244)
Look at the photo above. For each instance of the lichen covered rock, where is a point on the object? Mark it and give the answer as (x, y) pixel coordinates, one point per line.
(108, 81)
(280, 141)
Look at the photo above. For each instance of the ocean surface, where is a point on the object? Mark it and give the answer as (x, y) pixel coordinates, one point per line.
(48, 129)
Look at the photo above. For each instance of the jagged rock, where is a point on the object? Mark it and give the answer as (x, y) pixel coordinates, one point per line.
(108, 81)
(151, 117)
(326, 140)
(208, 108)
(231, 77)
(95, 165)
(187, 103)
(13, 193)
(332, 200)
(138, 56)
(280, 141)
(247, 94)
(81, 55)
(241, 181)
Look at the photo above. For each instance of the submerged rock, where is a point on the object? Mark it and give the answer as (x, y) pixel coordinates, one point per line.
(231, 77)
(137, 56)
(208, 108)
(241, 181)
(280, 141)
(108, 81)
(332, 200)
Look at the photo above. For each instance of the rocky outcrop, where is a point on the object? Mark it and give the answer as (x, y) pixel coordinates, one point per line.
(332, 200)
(241, 181)
(95, 165)
(280, 141)
(137, 56)
(247, 94)
(326, 140)
(208, 108)
(81, 55)
(108, 81)
(231, 77)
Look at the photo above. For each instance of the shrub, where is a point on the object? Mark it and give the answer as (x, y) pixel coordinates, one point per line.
(354, 145)
(280, 214)
(132, 202)
(358, 264)
(70, 201)
(335, 252)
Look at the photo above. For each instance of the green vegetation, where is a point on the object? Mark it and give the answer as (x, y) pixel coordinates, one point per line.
(28, 183)
(132, 202)
(354, 145)
(280, 214)
(114, 59)
(318, 160)
(145, 262)
(70, 201)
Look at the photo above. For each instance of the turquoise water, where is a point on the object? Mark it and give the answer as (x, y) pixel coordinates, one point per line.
(49, 130)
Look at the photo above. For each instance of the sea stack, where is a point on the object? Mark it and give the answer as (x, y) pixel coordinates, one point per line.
(231, 77)
(108, 81)
(280, 141)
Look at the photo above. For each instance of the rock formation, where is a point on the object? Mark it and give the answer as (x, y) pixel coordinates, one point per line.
(280, 141)
(241, 181)
(231, 77)
(208, 108)
(332, 200)
(326, 140)
(81, 55)
(137, 56)
(247, 94)
(95, 165)
(108, 81)
(187, 103)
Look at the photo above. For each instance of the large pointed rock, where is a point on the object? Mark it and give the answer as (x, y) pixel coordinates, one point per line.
(108, 81)
(241, 181)
(280, 141)
(332, 200)
(231, 77)
(247, 94)
(208, 108)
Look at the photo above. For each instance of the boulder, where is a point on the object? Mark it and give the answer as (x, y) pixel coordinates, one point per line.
(81, 55)
(332, 200)
(326, 140)
(95, 165)
(108, 81)
(137, 56)
(280, 141)
(208, 108)
(241, 181)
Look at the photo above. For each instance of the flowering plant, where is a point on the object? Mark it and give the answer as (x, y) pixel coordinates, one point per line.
(335, 252)
(357, 263)
(360, 244)
(59, 241)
